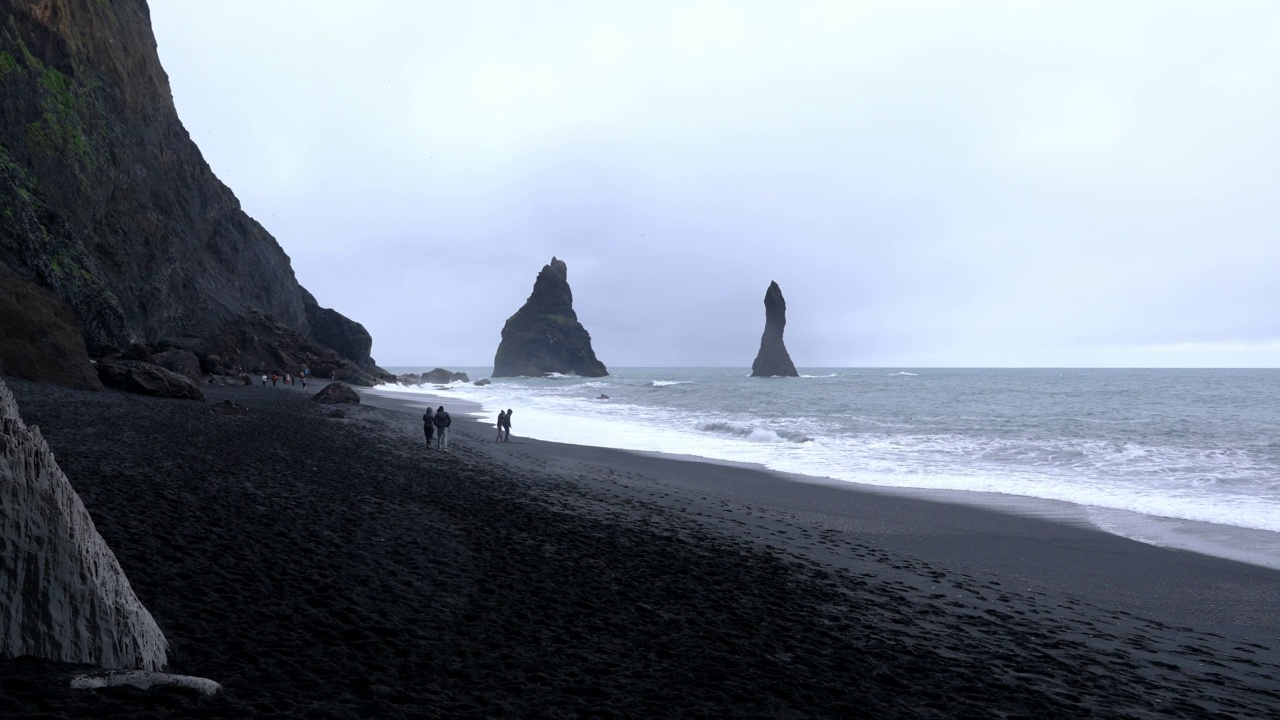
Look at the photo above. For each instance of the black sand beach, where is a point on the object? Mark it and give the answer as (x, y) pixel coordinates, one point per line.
(323, 566)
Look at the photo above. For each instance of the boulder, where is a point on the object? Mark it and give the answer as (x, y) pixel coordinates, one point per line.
(40, 338)
(139, 352)
(337, 393)
(183, 362)
(409, 379)
(147, 379)
(544, 335)
(63, 594)
(484, 381)
(773, 359)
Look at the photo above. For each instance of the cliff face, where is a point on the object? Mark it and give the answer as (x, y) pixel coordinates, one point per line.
(104, 198)
(544, 336)
(773, 359)
(63, 595)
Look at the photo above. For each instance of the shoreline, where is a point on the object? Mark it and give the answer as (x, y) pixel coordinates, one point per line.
(1226, 542)
(324, 565)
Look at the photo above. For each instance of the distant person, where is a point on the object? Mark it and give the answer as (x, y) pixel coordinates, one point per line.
(264, 380)
(428, 423)
(502, 421)
(304, 382)
(288, 379)
(506, 426)
(274, 378)
(442, 423)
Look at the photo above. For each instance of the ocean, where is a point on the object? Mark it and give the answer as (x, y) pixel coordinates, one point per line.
(1180, 458)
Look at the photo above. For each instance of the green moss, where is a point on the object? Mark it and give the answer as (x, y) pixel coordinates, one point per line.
(7, 63)
(60, 130)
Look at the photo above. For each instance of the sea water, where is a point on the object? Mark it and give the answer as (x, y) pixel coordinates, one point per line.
(1184, 458)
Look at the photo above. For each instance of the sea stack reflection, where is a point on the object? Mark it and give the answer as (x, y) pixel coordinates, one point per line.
(773, 360)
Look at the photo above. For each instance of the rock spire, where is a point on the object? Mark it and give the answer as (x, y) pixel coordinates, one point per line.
(544, 336)
(773, 360)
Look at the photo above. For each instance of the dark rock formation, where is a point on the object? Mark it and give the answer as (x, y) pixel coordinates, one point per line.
(409, 379)
(183, 362)
(257, 344)
(337, 393)
(544, 336)
(147, 379)
(138, 352)
(39, 337)
(773, 360)
(484, 381)
(440, 376)
(63, 594)
(106, 202)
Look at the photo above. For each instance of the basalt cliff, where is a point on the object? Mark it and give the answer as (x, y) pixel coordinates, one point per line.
(107, 203)
(544, 336)
(773, 359)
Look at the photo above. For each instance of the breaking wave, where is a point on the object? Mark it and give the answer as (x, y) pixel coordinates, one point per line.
(752, 433)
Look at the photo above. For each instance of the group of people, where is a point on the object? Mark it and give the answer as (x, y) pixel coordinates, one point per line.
(435, 423)
(288, 379)
(504, 425)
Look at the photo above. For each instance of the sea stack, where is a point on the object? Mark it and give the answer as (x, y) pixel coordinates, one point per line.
(773, 360)
(544, 336)
(63, 595)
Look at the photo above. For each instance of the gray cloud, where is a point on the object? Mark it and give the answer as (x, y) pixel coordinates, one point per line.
(930, 183)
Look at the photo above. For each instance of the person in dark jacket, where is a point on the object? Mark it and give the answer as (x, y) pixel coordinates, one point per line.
(428, 420)
(502, 421)
(442, 423)
(506, 426)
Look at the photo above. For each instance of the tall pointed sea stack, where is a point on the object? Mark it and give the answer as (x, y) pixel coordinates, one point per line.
(544, 336)
(773, 360)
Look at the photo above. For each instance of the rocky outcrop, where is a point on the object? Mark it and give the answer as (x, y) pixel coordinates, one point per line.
(63, 594)
(258, 344)
(106, 202)
(773, 359)
(483, 381)
(347, 337)
(40, 339)
(337, 393)
(440, 376)
(544, 336)
(143, 378)
(183, 362)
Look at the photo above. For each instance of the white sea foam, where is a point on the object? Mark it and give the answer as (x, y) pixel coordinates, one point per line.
(924, 439)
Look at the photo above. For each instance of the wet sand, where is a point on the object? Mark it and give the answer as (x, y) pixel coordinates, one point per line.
(323, 566)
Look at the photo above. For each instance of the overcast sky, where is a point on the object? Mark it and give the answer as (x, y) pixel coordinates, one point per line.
(931, 184)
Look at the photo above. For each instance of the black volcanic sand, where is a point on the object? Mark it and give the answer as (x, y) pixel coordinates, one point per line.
(323, 566)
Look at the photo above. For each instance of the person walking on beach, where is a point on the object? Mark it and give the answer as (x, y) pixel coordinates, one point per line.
(506, 426)
(428, 422)
(264, 380)
(502, 419)
(274, 378)
(442, 423)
